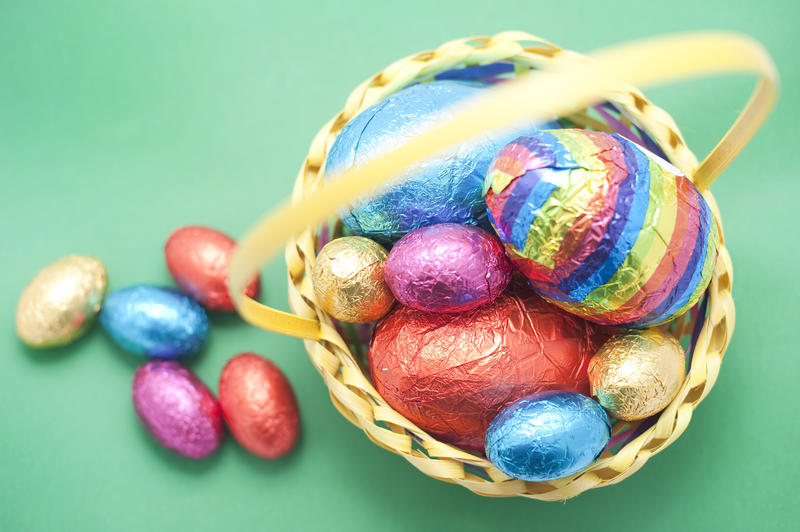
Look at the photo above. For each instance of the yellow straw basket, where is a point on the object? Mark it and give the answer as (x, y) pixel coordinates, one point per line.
(593, 92)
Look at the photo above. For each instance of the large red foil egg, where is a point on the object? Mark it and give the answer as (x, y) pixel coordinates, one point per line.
(259, 406)
(198, 259)
(450, 374)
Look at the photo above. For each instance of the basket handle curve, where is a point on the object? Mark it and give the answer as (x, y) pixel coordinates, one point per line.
(533, 97)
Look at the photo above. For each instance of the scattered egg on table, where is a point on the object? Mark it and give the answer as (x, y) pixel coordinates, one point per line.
(349, 282)
(450, 374)
(447, 268)
(637, 373)
(547, 436)
(602, 227)
(154, 321)
(177, 409)
(60, 303)
(259, 405)
(198, 258)
(444, 188)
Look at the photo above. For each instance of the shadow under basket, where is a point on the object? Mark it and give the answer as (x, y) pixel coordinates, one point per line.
(339, 353)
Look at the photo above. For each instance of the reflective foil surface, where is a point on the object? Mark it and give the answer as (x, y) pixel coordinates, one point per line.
(602, 227)
(447, 268)
(446, 188)
(259, 405)
(451, 374)
(60, 303)
(547, 436)
(637, 373)
(155, 322)
(177, 409)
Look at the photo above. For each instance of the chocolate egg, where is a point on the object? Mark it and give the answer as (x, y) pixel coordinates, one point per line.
(60, 303)
(156, 322)
(602, 227)
(177, 409)
(547, 436)
(259, 405)
(445, 188)
(348, 280)
(447, 268)
(198, 259)
(451, 374)
(637, 373)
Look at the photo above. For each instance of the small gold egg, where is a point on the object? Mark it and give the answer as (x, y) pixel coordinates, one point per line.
(348, 280)
(637, 373)
(61, 302)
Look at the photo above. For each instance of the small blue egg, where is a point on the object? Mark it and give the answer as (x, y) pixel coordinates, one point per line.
(155, 322)
(548, 435)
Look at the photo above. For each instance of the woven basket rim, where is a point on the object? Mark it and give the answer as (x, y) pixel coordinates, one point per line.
(350, 389)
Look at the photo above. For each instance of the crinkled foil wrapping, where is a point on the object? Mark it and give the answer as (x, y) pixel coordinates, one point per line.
(445, 188)
(153, 321)
(348, 280)
(547, 436)
(259, 405)
(637, 373)
(198, 259)
(447, 268)
(452, 373)
(61, 302)
(602, 227)
(177, 409)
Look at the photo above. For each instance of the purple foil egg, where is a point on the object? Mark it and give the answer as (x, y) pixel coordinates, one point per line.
(447, 268)
(177, 409)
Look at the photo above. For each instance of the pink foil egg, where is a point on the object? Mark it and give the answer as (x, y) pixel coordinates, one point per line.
(447, 268)
(198, 259)
(177, 409)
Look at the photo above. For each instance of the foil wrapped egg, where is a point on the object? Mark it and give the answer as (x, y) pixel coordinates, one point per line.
(602, 227)
(450, 374)
(446, 188)
(259, 405)
(349, 282)
(447, 268)
(177, 409)
(198, 259)
(547, 436)
(61, 302)
(156, 322)
(637, 373)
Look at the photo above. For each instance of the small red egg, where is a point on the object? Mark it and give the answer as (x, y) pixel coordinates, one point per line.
(198, 259)
(259, 406)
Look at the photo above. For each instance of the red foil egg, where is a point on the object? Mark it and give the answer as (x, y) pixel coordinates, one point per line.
(198, 259)
(259, 406)
(450, 374)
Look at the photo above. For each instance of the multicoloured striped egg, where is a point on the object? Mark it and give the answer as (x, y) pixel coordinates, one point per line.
(602, 227)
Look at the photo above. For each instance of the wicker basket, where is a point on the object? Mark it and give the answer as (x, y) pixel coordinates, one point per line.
(336, 350)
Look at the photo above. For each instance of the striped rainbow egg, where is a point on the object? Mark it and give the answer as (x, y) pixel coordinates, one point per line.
(602, 227)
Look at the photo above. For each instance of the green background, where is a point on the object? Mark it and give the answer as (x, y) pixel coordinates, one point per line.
(123, 120)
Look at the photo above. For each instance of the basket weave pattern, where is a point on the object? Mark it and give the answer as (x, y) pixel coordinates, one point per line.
(350, 388)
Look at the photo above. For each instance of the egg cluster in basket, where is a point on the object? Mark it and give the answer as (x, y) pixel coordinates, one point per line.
(518, 282)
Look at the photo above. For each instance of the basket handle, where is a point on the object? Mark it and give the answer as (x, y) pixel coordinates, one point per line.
(533, 97)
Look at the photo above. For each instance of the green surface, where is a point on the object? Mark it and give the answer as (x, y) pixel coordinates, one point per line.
(120, 121)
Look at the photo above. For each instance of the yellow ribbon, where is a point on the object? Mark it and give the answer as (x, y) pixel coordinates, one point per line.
(537, 96)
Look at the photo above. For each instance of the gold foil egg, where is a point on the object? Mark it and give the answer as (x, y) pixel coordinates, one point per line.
(61, 302)
(637, 373)
(348, 280)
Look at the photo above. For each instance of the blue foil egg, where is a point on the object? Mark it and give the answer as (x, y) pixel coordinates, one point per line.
(446, 188)
(155, 322)
(547, 436)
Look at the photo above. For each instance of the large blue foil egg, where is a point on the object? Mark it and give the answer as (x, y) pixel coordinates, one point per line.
(547, 436)
(446, 188)
(155, 322)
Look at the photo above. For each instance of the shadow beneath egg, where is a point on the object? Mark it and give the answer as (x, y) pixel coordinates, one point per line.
(224, 319)
(172, 459)
(261, 465)
(50, 355)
